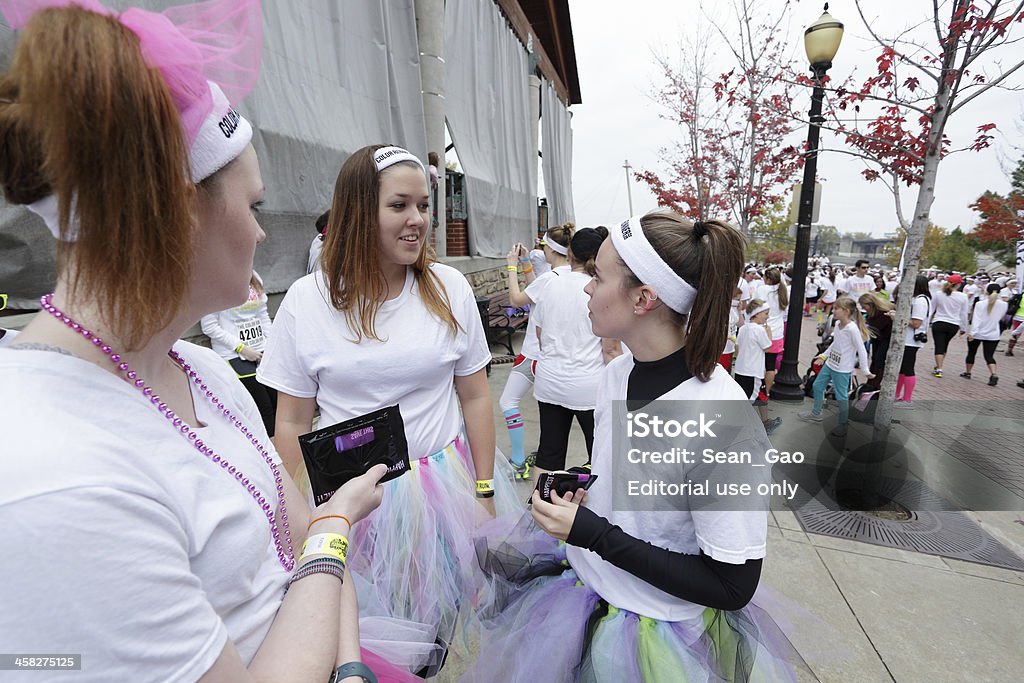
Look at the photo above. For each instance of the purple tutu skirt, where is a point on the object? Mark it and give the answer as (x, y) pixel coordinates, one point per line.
(413, 559)
(541, 623)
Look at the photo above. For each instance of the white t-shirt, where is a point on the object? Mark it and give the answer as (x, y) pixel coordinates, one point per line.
(776, 315)
(856, 285)
(8, 337)
(890, 286)
(846, 349)
(247, 324)
(734, 321)
(751, 344)
(972, 291)
(810, 286)
(828, 290)
(934, 286)
(310, 354)
(531, 347)
(951, 308)
(920, 309)
(746, 291)
(840, 282)
(733, 537)
(123, 543)
(985, 325)
(570, 353)
(540, 262)
(313, 263)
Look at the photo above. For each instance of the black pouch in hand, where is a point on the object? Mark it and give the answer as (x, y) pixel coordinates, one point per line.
(562, 482)
(343, 451)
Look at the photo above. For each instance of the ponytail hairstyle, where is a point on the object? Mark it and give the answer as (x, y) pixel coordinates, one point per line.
(350, 258)
(848, 305)
(709, 256)
(774, 277)
(992, 290)
(562, 234)
(256, 283)
(584, 246)
(82, 116)
(948, 288)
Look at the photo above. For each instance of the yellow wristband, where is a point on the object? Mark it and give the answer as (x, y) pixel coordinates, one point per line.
(484, 488)
(511, 269)
(334, 545)
(238, 349)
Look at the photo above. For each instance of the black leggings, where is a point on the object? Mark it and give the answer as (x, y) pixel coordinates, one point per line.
(909, 360)
(942, 333)
(988, 349)
(266, 401)
(555, 423)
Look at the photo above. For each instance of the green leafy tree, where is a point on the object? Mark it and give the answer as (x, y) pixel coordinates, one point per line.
(955, 253)
(770, 241)
(933, 239)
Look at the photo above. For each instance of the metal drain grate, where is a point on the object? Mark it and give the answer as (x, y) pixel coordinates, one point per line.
(935, 528)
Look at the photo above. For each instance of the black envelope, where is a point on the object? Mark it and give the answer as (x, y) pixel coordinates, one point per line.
(348, 449)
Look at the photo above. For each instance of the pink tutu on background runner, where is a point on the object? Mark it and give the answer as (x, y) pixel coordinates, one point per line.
(413, 557)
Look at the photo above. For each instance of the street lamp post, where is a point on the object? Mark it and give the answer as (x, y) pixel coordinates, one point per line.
(821, 40)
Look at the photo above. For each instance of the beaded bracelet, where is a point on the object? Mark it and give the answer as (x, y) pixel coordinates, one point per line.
(320, 565)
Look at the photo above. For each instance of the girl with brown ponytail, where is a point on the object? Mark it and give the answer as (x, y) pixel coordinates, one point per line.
(142, 456)
(643, 596)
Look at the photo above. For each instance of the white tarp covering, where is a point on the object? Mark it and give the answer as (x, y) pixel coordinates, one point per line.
(556, 143)
(336, 76)
(488, 110)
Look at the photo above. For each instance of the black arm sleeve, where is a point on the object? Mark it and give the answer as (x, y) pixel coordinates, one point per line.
(696, 578)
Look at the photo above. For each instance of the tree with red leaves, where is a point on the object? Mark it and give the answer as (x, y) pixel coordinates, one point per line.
(733, 156)
(920, 82)
(1000, 225)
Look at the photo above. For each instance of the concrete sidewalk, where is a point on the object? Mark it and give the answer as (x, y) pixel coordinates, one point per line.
(862, 612)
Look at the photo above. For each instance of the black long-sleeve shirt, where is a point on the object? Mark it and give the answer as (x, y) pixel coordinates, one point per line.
(696, 578)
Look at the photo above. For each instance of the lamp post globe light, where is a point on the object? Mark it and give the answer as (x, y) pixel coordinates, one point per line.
(821, 41)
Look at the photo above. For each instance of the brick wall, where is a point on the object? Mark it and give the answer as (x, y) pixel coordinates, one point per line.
(457, 241)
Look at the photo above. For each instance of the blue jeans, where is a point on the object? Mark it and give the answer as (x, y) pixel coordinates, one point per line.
(841, 383)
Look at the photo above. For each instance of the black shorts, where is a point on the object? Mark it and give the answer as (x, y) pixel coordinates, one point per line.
(813, 299)
(770, 360)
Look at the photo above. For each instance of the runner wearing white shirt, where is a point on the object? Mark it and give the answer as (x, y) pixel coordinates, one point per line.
(683, 575)
(776, 295)
(571, 357)
(920, 313)
(846, 350)
(985, 332)
(753, 340)
(860, 282)
(524, 369)
(238, 335)
(948, 319)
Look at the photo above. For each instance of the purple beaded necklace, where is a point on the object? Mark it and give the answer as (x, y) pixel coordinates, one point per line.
(285, 552)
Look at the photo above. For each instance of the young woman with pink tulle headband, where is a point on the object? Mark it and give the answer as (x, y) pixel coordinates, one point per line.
(157, 533)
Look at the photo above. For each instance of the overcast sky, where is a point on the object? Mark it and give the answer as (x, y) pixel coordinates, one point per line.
(617, 120)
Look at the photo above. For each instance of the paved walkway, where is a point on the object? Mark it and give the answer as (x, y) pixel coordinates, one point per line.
(861, 612)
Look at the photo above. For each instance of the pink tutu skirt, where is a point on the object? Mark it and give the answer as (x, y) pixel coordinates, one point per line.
(413, 560)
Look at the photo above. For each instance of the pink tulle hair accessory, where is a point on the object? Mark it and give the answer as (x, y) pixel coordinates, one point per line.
(215, 40)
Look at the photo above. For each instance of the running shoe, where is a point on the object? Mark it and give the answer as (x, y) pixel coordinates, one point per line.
(810, 416)
(840, 430)
(771, 425)
(993, 380)
(521, 471)
(937, 372)
(965, 375)
(900, 403)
